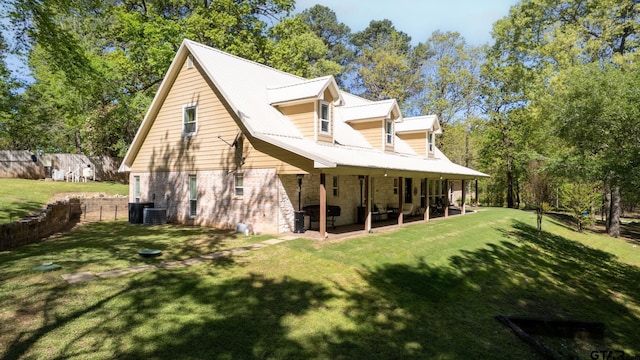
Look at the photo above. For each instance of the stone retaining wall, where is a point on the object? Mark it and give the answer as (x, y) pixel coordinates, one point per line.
(60, 215)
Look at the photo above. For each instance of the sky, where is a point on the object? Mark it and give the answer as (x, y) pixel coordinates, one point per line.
(473, 19)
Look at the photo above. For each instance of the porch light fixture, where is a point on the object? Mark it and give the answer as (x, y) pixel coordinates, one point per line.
(300, 176)
(361, 178)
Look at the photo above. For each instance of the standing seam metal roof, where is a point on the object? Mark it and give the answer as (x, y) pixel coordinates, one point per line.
(249, 88)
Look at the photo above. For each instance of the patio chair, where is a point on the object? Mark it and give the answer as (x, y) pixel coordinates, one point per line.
(407, 209)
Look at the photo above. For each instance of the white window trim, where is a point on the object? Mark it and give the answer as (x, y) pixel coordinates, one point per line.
(193, 211)
(431, 141)
(236, 187)
(336, 185)
(136, 187)
(184, 113)
(320, 119)
(388, 133)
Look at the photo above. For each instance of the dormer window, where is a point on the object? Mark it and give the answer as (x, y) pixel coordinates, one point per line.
(389, 132)
(325, 118)
(432, 140)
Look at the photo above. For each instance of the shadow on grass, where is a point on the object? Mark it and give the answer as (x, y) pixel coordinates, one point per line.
(629, 230)
(421, 311)
(408, 311)
(18, 210)
(115, 245)
(169, 315)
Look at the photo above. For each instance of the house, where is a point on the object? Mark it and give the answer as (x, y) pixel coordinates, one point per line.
(228, 141)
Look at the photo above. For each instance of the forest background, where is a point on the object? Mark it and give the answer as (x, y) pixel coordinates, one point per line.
(551, 110)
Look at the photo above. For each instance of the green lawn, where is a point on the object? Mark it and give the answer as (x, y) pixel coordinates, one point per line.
(423, 291)
(19, 197)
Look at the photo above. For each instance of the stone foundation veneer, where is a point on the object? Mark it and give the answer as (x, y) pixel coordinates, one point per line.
(269, 201)
(265, 204)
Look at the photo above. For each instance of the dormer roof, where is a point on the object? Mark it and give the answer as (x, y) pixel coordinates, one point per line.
(313, 89)
(386, 109)
(419, 124)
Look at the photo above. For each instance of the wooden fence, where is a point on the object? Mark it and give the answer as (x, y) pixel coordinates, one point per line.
(28, 165)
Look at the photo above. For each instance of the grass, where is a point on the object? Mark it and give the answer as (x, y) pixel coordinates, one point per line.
(423, 291)
(19, 197)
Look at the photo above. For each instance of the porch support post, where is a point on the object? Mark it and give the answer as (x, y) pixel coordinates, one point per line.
(367, 204)
(323, 206)
(400, 200)
(446, 198)
(426, 200)
(464, 198)
(476, 200)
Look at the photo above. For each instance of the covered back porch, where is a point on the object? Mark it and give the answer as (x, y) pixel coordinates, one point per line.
(377, 200)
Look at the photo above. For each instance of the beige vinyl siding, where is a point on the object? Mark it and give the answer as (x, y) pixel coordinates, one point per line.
(262, 155)
(165, 148)
(417, 141)
(327, 95)
(302, 116)
(373, 131)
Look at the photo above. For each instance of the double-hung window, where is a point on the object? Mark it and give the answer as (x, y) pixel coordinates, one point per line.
(336, 186)
(193, 195)
(431, 141)
(325, 118)
(389, 132)
(136, 188)
(238, 185)
(190, 119)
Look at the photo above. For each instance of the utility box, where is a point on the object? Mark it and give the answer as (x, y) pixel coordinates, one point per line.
(136, 211)
(299, 222)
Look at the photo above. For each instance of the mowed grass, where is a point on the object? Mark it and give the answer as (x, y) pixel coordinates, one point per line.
(424, 291)
(19, 197)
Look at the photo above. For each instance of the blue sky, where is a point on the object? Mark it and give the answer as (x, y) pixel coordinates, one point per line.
(473, 19)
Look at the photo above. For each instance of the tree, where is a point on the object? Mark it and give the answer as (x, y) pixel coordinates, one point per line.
(541, 38)
(595, 108)
(324, 23)
(97, 64)
(537, 190)
(451, 71)
(579, 199)
(385, 64)
(12, 130)
(297, 50)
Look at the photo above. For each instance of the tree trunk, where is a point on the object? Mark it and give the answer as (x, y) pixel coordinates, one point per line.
(614, 222)
(539, 218)
(517, 194)
(509, 184)
(607, 206)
